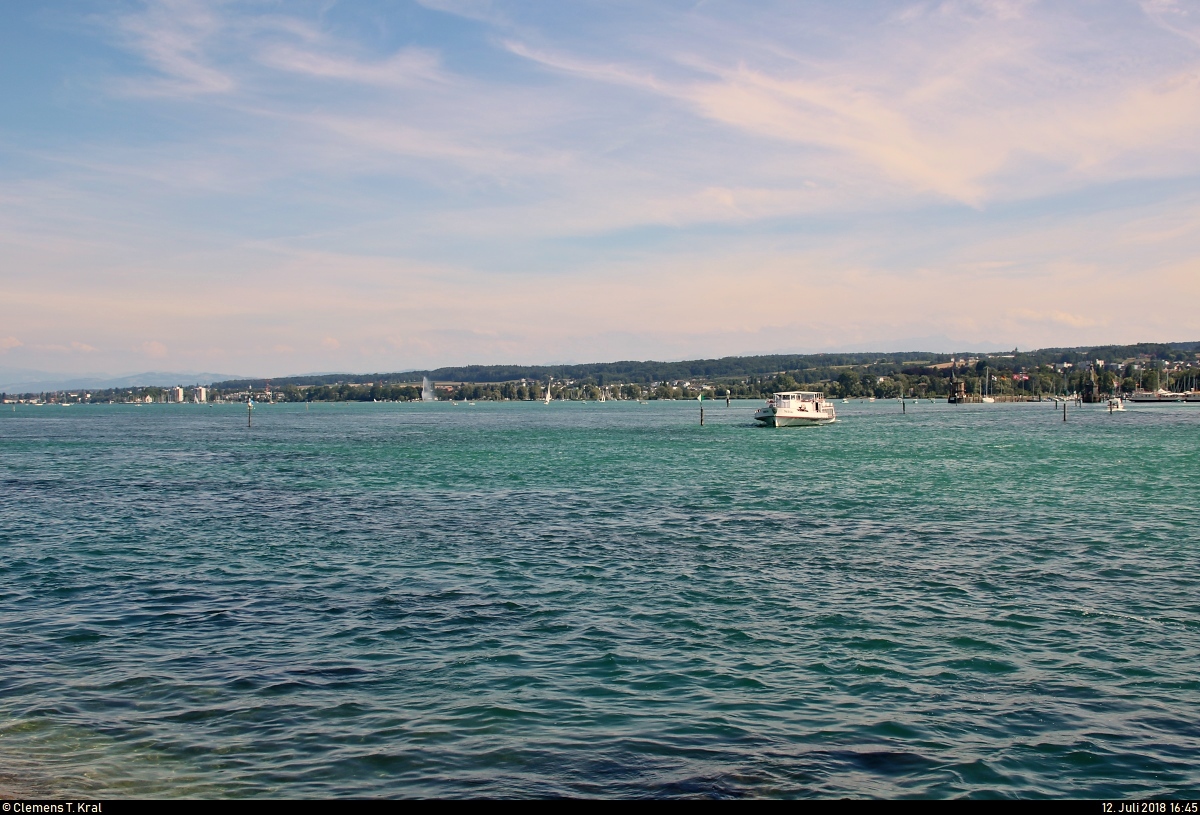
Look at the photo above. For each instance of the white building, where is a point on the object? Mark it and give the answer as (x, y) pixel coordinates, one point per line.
(175, 394)
(199, 395)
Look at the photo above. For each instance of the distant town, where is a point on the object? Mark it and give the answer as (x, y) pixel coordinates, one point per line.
(1013, 376)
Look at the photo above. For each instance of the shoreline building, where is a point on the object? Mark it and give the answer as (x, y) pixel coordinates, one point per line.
(176, 394)
(199, 395)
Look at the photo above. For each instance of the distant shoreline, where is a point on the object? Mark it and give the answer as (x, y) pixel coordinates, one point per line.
(1019, 375)
(625, 371)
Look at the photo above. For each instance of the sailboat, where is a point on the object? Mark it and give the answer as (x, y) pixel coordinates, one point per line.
(547, 399)
(987, 379)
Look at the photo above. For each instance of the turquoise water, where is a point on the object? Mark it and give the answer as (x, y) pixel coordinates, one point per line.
(600, 600)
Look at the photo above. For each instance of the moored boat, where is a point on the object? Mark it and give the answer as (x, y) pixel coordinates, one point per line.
(796, 409)
(1160, 396)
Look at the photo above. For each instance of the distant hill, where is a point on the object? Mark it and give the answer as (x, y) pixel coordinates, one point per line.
(715, 369)
(24, 380)
(623, 371)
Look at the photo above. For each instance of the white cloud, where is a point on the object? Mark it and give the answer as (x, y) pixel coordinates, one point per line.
(404, 68)
(944, 101)
(154, 349)
(482, 10)
(173, 36)
(1182, 19)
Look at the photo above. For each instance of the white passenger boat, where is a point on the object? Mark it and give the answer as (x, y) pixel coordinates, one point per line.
(795, 408)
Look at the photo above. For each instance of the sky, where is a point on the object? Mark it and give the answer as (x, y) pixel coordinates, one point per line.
(269, 188)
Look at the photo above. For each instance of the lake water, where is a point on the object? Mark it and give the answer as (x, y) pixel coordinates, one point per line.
(599, 600)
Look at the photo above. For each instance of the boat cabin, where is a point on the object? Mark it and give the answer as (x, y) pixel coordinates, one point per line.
(795, 400)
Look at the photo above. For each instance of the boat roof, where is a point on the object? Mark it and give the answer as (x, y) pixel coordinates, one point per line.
(799, 393)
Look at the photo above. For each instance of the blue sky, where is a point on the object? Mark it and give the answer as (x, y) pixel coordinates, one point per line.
(274, 188)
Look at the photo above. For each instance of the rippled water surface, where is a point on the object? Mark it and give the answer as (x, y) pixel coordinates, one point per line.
(599, 600)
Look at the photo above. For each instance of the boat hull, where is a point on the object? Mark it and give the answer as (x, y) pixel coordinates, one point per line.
(768, 419)
(1155, 400)
(795, 409)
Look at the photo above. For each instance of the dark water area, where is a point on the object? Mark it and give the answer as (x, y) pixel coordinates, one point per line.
(600, 600)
